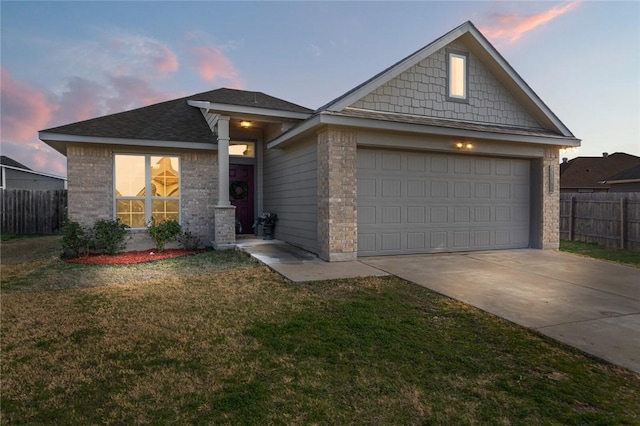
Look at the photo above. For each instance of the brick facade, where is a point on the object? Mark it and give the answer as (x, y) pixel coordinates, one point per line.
(225, 227)
(337, 191)
(422, 91)
(199, 173)
(90, 176)
(551, 199)
(90, 183)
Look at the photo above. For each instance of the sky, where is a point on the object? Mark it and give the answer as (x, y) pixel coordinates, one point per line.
(63, 62)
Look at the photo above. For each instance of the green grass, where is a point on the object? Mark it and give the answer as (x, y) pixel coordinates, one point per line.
(10, 237)
(217, 339)
(596, 251)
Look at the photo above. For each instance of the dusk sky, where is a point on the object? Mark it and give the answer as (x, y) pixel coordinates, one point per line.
(69, 61)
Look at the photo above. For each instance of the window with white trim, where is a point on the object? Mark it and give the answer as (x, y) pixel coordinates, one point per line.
(457, 76)
(146, 187)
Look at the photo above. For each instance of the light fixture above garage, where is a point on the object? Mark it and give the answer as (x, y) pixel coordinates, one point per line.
(245, 124)
(464, 145)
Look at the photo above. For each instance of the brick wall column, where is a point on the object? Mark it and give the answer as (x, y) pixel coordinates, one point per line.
(337, 190)
(90, 183)
(551, 199)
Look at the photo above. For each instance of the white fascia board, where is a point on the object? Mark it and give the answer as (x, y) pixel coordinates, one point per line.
(295, 132)
(33, 172)
(399, 68)
(57, 137)
(239, 109)
(199, 104)
(495, 55)
(445, 131)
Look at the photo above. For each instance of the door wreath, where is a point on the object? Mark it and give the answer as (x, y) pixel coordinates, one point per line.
(239, 190)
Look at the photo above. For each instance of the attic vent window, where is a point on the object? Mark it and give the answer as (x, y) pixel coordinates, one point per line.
(457, 76)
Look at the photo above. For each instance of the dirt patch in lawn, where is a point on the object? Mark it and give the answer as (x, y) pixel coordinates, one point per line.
(131, 257)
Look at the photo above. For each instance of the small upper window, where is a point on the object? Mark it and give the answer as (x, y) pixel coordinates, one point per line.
(457, 76)
(242, 149)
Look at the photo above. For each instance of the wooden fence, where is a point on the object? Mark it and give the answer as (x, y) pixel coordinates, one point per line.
(609, 219)
(32, 211)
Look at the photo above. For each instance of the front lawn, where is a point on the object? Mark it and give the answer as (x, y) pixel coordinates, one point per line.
(217, 339)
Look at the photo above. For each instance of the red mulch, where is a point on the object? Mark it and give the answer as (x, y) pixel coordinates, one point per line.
(130, 257)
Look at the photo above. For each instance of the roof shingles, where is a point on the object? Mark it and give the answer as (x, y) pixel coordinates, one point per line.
(172, 120)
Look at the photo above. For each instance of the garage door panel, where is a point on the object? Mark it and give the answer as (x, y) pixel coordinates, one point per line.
(423, 203)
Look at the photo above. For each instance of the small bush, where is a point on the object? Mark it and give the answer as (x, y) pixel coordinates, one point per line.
(110, 235)
(189, 241)
(163, 232)
(75, 240)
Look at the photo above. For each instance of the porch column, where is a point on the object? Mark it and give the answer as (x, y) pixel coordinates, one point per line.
(225, 213)
(223, 161)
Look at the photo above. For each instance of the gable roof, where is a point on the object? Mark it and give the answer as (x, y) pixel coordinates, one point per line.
(173, 120)
(8, 161)
(471, 37)
(485, 51)
(591, 172)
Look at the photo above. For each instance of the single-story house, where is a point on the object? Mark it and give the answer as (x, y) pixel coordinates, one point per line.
(15, 175)
(446, 150)
(595, 174)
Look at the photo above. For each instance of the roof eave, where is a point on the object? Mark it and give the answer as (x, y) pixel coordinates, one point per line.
(248, 110)
(59, 141)
(357, 122)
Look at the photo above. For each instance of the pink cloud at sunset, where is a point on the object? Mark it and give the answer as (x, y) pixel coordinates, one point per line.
(211, 64)
(23, 108)
(510, 27)
(139, 54)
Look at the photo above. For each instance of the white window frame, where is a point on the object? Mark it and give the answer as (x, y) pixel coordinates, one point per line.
(148, 198)
(454, 54)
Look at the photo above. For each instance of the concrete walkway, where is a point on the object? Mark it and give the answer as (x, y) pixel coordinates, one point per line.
(299, 265)
(586, 303)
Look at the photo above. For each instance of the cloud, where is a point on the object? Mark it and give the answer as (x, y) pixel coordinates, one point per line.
(24, 108)
(134, 53)
(510, 27)
(132, 92)
(211, 64)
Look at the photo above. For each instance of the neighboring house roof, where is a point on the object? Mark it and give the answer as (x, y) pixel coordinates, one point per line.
(590, 172)
(8, 161)
(632, 174)
(173, 120)
(480, 46)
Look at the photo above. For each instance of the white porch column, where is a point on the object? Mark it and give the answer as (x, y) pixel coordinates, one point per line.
(223, 161)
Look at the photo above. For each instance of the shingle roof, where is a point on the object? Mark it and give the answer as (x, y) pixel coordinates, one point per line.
(172, 120)
(8, 161)
(588, 172)
(632, 173)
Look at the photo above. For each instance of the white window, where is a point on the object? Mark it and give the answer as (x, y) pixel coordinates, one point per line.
(457, 75)
(146, 187)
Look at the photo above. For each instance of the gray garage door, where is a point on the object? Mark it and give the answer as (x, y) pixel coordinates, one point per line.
(410, 202)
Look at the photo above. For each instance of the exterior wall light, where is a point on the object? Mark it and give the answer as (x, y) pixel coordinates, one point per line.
(464, 145)
(245, 124)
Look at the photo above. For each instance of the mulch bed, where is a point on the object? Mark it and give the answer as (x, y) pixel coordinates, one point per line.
(131, 257)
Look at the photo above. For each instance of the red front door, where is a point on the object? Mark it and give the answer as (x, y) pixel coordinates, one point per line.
(241, 195)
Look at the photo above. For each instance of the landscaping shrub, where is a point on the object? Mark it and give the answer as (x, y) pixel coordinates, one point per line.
(188, 240)
(163, 232)
(110, 235)
(75, 240)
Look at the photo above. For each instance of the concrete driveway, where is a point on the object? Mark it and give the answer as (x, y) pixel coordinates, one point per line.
(589, 304)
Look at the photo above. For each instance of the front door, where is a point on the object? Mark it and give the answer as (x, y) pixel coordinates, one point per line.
(241, 196)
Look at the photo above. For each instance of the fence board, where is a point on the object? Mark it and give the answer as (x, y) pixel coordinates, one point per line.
(609, 219)
(32, 211)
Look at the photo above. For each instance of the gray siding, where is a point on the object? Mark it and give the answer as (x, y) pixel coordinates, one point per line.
(17, 179)
(422, 90)
(290, 190)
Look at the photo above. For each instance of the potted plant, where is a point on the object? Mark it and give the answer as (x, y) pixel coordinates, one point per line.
(268, 221)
